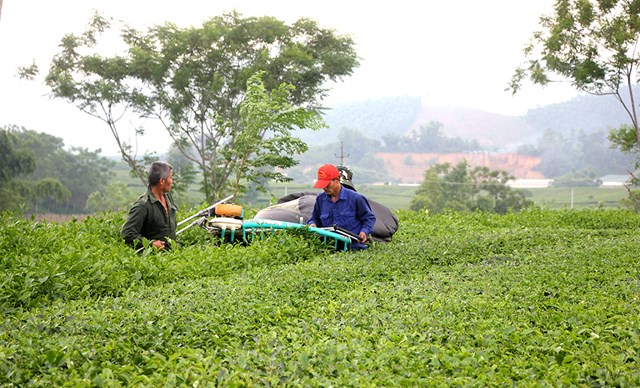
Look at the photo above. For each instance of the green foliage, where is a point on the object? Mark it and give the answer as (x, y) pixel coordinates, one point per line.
(544, 298)
(429, 138)
(265, 141)
(462, 188)
(563, 155)
(49, 190)
(14, 163)
(594, 47)
(117, 197)
(632, 201)
(51, 261)
(624, 139)
(60, 180)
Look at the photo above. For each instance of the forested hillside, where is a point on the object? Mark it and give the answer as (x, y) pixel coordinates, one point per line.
(401, 115)
(568, 138)
(586, 112)
(375, 118)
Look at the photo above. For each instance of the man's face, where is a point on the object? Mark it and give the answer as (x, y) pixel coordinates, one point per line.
(165, 184)
(333, 187)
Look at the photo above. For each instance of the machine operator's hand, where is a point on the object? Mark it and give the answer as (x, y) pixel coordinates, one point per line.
(363, 237)
(158, 244)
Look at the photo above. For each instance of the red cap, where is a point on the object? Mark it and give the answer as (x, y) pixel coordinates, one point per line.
(326, 174)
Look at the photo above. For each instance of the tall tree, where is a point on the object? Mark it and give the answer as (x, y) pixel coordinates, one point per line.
(265, 141)
(184, 172)
(463, 188)
(117, 197)
(79, 170)
(193, 80)
(14, 163)
(58, 178)
(594, 45)
(48, 191)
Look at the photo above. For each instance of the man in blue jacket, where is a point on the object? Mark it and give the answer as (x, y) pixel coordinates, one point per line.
(341, 207)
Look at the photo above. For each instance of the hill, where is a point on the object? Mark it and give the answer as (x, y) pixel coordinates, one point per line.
(586, 112)
(495, 132)
(492, 131)
(575, 138)
(374, 117)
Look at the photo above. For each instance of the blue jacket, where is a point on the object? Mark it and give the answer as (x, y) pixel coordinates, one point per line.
(352, 212)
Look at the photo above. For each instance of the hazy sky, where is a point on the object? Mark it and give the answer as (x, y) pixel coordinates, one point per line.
(451, 53)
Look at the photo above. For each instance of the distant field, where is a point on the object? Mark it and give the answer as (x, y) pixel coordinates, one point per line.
(399, 197)
(579, 197)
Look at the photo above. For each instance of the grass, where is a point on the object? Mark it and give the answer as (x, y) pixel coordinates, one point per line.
(578, 197)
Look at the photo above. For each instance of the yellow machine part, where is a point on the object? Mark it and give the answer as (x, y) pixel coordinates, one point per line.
(229, 210)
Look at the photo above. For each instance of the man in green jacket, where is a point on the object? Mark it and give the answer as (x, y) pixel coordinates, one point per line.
(153, 215)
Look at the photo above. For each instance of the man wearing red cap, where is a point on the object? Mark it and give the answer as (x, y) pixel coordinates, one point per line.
(341, 207)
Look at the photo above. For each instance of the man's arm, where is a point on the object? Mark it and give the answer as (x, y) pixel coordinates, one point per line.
(130, 231)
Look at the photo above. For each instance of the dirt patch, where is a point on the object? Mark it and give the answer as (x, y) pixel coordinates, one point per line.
(409, 167)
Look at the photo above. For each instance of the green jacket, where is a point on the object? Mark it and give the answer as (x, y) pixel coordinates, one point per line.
(148, 219)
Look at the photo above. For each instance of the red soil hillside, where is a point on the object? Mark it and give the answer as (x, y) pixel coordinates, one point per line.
(410, 167)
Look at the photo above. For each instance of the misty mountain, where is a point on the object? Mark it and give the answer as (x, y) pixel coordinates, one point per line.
(375, 118)
(588, 113)
(402, 115)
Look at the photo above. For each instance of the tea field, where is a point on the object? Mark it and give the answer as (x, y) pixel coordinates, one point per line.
(539, 298)
(399, 197)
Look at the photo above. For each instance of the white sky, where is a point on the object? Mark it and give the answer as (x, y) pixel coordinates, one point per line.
(451, 53)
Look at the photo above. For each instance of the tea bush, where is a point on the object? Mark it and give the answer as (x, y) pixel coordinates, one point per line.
(536, 298)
